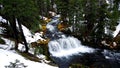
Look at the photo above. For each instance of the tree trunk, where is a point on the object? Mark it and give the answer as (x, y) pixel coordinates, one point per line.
(14, 31)
(23, 37)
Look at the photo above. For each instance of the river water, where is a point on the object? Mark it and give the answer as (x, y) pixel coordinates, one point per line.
(67, 50)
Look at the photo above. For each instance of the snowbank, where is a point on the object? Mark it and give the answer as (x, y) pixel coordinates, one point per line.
(10, 56)
(7, 55)
(30, 37)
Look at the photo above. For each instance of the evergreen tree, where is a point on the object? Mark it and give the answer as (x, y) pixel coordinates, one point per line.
(45, 6)
(90, 18)
(62, 7)
(25, 12)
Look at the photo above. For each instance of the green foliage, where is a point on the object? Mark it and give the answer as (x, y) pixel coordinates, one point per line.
(16, 64)
(38, 50)
(42, 49)
(44, 7)
(24, 10)
(90, 18)
(2, 41)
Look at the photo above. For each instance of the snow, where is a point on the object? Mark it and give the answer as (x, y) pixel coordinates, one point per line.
(117, 30)
(2, 20)
(9, 44)
(1, 28)
(107, 2)
(7, 56)
(30, 37)
(52, 13)
(21, 47)
(28, 34)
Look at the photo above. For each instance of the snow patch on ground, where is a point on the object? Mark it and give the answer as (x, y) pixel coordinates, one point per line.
(31, 37)
(117, 30)
(8, 44)
(10, 56)
(7, 55)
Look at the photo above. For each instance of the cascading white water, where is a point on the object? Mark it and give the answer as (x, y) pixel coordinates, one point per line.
(67, 46)
(62, 46)
(66, 50)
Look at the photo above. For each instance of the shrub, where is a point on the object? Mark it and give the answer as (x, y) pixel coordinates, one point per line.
(2, 41)
(16, 64)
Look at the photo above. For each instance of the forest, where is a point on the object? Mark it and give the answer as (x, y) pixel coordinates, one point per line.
(93, 22)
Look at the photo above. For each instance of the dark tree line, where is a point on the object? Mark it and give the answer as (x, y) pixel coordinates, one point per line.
(91, 20)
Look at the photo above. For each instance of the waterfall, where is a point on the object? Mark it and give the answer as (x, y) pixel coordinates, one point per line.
(61, 45)
(67, 46)
(66, 50)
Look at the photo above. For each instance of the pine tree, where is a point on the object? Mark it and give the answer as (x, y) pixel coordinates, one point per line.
(45, 6)
(90, 18)
(25, 12)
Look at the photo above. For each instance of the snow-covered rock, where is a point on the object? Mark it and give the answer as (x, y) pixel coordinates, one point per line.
(21, 47)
